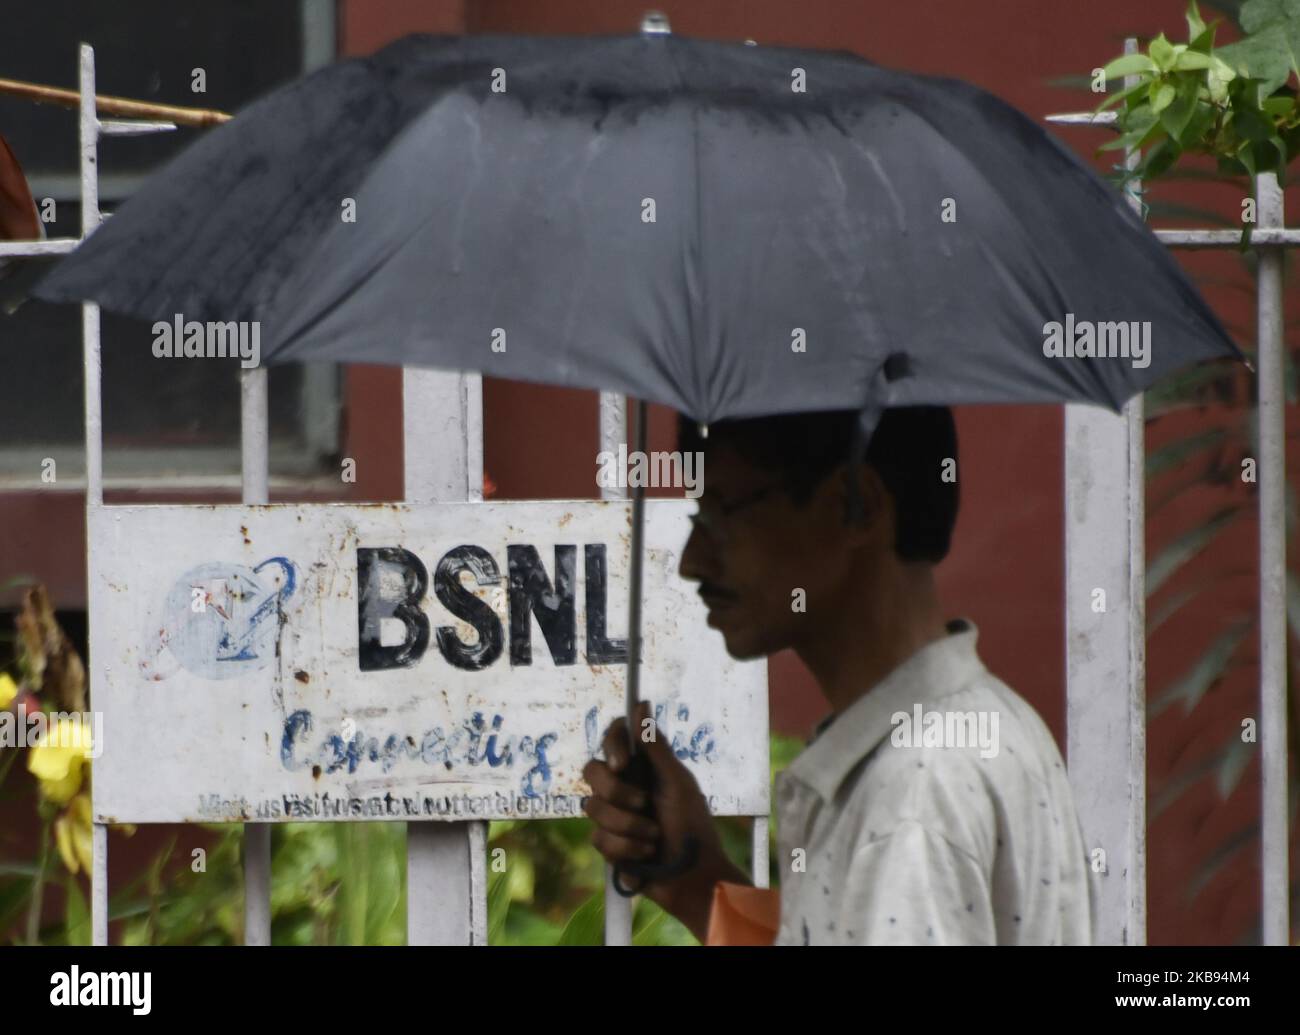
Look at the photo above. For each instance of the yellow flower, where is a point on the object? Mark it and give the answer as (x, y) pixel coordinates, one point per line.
(8, 689)
(57, 760)
(73, 835)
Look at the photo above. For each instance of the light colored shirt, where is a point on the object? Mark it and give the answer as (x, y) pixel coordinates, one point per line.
(934, 810)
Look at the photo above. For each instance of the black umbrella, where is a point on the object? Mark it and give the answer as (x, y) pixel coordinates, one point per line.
(729, 230)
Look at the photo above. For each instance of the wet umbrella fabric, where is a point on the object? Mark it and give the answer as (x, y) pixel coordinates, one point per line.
(665, 217)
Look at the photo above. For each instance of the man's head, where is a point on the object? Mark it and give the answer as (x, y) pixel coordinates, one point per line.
(774, 516)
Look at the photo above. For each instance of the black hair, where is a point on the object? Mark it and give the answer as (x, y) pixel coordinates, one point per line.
(908, 451)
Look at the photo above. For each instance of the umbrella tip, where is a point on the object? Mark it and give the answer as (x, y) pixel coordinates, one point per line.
(655, 23)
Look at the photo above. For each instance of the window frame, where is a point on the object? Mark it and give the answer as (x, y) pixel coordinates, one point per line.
(295, 465)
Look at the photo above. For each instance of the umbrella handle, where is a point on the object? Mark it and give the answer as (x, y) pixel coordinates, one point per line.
(640, 773)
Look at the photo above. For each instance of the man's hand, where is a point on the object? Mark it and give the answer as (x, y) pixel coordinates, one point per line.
(623, 834)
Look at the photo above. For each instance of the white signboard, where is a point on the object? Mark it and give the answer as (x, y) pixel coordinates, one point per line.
(387, 662)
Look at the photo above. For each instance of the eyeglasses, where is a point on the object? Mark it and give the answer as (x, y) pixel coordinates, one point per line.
(713, 519)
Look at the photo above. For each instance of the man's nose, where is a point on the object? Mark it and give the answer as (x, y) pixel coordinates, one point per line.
(699, 557)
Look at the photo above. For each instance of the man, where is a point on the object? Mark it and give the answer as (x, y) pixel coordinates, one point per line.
(931, 806)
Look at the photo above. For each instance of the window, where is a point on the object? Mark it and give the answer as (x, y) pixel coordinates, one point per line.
(175, 421)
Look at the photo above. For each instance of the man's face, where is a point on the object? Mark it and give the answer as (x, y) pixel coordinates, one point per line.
(751, 560)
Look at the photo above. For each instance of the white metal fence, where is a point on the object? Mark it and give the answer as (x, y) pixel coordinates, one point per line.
(1104, 458)
(1105, 522)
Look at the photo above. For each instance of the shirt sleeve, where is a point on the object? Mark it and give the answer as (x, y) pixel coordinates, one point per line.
(914, 887)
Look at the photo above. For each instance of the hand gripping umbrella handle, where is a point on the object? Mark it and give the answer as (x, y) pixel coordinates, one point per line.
(640, 773)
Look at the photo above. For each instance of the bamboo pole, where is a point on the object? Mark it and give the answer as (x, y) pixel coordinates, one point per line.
(121, 106)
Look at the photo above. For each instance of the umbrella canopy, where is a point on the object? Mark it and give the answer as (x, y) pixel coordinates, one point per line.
(729, 230)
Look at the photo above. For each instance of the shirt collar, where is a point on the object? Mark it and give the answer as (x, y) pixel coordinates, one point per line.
(842, 740)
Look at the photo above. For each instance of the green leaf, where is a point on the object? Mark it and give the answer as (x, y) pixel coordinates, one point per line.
(653, 926)
(648, 933)
(1246, 156)
(1218, 81)
(1204, 43)
(1162, 53)
(1199, 126)
(1235, 759)
(498, 906)
(1257, 15)
(1137, 125)
(587, 925)
(1205, 672)
(1176, 453)
(1268, 58)
(1252, 124)
(385, 913)
(1173, 787)
(525, 927)
(1232, 8)
(521, 877)
(14, 896)
(1195, 25)
(1122, 95)
(1129, 64)
(1156, 617)
(1162, 95)
(76, 914)
(1192, 59)
(1222, 857)
(1185, 547)
(353, 854)
(1161, 157)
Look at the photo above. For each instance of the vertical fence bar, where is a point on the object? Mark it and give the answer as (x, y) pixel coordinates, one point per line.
(442, 432)
(88, 139)
(1272, 574)
(613, 433)
(759, 852)
(1105, 626)
(254, 475)
(1106, 708)
(471, 387)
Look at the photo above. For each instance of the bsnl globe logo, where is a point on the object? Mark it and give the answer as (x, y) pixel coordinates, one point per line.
(222, 620)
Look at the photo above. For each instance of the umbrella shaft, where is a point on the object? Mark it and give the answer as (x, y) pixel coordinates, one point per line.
(634, 602)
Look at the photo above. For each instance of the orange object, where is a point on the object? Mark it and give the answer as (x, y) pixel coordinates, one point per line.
(18, 218)
(743, 915)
